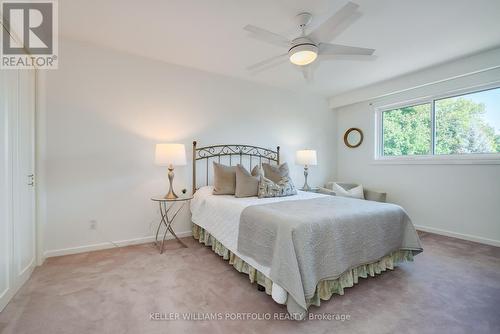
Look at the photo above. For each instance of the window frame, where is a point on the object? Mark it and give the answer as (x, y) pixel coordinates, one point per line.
(468, 158)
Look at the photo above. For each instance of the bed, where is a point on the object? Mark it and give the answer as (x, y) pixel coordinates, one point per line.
(288, 262)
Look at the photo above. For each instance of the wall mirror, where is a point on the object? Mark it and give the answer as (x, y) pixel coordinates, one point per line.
(353, 137)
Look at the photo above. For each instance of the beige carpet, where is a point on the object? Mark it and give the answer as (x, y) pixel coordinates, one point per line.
(453, 287)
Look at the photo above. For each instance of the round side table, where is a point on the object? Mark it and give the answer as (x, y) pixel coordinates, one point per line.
(168, 216)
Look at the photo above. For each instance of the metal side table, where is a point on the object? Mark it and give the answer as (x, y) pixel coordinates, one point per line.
(168, 215)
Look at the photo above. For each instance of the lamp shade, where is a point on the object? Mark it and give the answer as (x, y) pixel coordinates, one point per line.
(170, 154)
(306, 157)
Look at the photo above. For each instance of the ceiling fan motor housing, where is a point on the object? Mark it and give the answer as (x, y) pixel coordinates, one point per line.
(303, 19)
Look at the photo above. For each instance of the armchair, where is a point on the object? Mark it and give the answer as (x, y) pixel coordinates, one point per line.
(370, 195)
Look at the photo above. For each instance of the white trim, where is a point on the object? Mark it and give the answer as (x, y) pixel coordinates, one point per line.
(40, 166)
(9, 293)
(469, 159)
(481, 64)
(108, 245)
(399, 91)
(405, 103)
(432, 159)
(6, 188)
(429, 97)
(468, 90)
(462, 236)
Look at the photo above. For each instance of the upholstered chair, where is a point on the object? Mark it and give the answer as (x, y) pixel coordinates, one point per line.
(370, 195)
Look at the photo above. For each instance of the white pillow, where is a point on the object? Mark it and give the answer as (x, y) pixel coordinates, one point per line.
(356, 192)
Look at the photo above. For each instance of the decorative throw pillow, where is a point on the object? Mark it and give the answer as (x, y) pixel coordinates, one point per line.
(275, 173)
(224, 179)
(356, 192)
(247, 184)
(268, 188)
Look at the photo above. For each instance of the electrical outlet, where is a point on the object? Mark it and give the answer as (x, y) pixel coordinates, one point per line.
(93, 225)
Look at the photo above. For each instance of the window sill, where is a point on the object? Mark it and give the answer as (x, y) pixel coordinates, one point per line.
(483, 159)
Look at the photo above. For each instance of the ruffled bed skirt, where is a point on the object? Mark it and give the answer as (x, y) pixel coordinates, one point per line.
(325, 288)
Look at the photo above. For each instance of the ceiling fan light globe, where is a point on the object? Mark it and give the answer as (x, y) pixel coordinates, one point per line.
(303, 54)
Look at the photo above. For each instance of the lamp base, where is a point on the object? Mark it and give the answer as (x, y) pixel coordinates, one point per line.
(305, 187)
(171, 194)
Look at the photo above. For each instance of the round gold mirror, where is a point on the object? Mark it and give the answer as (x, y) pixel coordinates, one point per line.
(353, 137)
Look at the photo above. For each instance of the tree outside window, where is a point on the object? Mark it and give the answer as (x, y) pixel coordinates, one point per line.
(465, 124)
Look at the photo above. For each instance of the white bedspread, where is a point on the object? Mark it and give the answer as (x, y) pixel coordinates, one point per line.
(220, 216)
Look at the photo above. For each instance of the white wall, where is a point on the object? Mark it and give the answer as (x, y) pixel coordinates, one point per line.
(460, 200)
(105, 110)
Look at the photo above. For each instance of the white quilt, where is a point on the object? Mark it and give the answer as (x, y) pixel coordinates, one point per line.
(220, 216)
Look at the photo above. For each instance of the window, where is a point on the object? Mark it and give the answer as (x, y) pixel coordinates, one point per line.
(456, 125)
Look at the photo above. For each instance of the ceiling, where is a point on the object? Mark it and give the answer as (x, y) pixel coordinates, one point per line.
(408, 35)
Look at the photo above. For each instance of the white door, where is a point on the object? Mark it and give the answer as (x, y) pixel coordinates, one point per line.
(17, 201)
(5, 192)
(24, 167)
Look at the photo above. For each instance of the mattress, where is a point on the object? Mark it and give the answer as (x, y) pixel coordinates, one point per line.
(220, 216)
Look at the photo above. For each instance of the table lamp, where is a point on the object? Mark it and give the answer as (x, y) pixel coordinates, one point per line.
(306, 158)
(170, 155)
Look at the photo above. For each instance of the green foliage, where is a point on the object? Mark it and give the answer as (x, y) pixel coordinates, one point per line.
(460, 128)
(407, 131)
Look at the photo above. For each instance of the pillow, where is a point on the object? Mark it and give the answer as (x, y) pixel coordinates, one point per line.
(257, 171)
(275, 173)
(268, 188)
(247, 184)
(356, 192)
(224, 179)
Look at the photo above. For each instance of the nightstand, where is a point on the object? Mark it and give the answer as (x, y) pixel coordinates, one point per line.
(312, 190)
(321, 190)
(168, 216)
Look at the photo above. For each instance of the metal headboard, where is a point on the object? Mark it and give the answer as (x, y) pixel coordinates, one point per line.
(231, 151)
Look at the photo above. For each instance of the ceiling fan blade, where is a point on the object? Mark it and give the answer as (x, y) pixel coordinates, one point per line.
(268, 63)
(337, 49)
(267, 36)
(337, 23)
(356, 58)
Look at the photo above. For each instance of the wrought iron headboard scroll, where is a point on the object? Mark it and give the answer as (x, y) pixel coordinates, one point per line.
(231, 151)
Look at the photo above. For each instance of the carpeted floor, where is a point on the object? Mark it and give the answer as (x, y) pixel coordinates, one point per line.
(453, 287)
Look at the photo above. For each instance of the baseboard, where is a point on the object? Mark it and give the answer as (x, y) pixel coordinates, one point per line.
(138, 241)
(108, 245)
(462, 236)
(10, 291)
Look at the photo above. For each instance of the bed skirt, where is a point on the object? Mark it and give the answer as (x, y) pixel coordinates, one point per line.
(325, 288)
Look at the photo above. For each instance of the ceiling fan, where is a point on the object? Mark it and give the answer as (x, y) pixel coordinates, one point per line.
(303, 51)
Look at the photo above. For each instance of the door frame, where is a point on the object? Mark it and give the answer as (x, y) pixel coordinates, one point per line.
(10, 96)
(7, 193)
